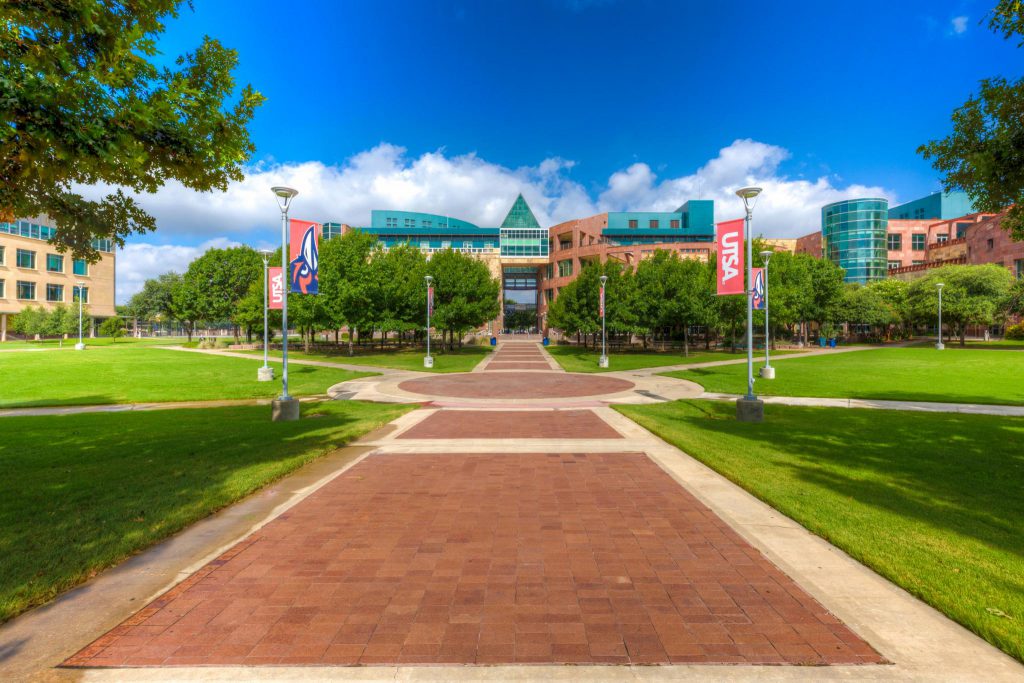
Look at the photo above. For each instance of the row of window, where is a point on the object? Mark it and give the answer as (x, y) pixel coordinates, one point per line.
(918, 241)
(654, 223)
(26, 258)
(45, 232)
(26, 291)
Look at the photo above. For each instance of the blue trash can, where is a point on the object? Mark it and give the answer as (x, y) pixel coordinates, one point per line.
(546, 341)
(822, 342)
(494, 341)
(832, 342)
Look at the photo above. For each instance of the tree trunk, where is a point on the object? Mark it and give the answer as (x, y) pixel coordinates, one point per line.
(686, 342)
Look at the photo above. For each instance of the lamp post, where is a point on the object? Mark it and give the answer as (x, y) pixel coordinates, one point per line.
(939, 345)
(284, 408)
(767, 372)
(80, 346)
(428, 360)
(749, 408)
(603, 361)
(266, 373)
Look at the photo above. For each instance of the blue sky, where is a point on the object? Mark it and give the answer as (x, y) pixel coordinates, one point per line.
(584, 105)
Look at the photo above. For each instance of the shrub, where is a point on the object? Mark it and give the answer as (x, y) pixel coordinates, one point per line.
(1015, 331)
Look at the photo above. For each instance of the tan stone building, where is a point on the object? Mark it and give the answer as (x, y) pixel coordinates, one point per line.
(34, 273)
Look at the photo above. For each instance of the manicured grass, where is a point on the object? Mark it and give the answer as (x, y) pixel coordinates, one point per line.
(579, 359)
(459, 360)
(139, 375)
(930, 501)
(1007, 344)
(98, 341)
(84, 492)
(910, 374)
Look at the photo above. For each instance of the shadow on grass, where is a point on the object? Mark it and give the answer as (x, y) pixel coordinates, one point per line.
(961, 473)
(82, 492)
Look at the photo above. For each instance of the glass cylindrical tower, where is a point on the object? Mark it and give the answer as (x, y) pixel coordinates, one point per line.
(853, 237)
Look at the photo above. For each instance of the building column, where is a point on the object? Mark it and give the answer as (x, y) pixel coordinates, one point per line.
(3, 327)
(92, 328)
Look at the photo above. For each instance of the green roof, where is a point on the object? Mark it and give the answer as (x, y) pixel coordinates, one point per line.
(520, 215)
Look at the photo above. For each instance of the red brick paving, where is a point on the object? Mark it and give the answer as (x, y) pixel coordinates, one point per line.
(511, 424)
(514, 365)
(518, 356)
(565, 558)
(510, 385)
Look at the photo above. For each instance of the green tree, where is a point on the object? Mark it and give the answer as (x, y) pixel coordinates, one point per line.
(346, 281)
(971, 295)
(112, 327)
(218, 280)
(893, 294)
(64, 320)
(248, 312)
(32, 321)
(398, 292)
(85, 102)
(154, 303)
(465, 294)
(984, 155)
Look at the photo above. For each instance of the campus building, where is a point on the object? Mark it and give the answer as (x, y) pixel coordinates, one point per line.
(534, 262)
(871, 241)
(33, 273)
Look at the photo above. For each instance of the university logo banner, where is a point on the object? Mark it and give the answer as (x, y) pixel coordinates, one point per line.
(601, 303)
(304, 258)
(729, 244)
(275, 295)
(430, 300)
(758, 288)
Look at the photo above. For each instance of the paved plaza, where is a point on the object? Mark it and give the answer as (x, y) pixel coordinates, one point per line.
(513, 521)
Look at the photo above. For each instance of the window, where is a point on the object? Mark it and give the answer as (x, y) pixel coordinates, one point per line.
(633, 223)
(488, 245)
(549, 271)
(549, 294)
(894, 264)
(80, 267)
(917, 263)
(55, 292)
(918, 241)
(1018, 270)
(424, 245)
(55, 263)
(1, 256)
(26, 290)
(894, 241)
(26, 258)
(674, 223)
(410, 222)
(391, 222)
(961, 229)
(990, 243)
(942, 237)
(427, 223)
(3, 289)
(654, 222)
(565, 268)
(80, 293)
(467, 245)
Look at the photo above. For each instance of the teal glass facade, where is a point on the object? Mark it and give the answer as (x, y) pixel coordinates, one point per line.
(853, 236)
(938, 206)
(45, 232)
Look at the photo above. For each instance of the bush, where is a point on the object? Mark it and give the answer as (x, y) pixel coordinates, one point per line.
(1015, 331)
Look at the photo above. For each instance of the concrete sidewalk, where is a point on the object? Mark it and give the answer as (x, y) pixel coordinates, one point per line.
(877, 404)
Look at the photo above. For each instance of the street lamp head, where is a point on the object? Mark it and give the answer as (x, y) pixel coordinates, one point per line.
(766, 256)
(749, 196)
(429, 279)
(284, 196)
(266, 254)
(604, 279)
(939, 284)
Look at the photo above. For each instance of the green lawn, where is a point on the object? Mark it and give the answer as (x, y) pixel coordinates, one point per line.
(98, 341)
(579, 359)
(84, 492)
(910, 374)
(931, 501)
(1006, 344)
(138, 375)
(459, 360)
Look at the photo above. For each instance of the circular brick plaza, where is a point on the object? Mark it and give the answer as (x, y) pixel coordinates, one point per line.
(516, 385)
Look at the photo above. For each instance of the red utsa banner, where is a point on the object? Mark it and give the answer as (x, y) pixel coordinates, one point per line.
(601, 303)
(430, 300)
(729, 243)
(304, 258)
(275, 295)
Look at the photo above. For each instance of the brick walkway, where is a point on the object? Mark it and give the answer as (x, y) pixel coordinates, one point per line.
(513, 385)
(511, 424)
(518, 356)
(565, 558)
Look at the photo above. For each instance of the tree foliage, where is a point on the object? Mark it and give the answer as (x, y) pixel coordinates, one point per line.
(984, 154)
(465, 293)
(85, 102)
(971, 295)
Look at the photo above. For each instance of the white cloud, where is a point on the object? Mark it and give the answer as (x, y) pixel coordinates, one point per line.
(471, 188)
(138, 262)
(959, 24)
